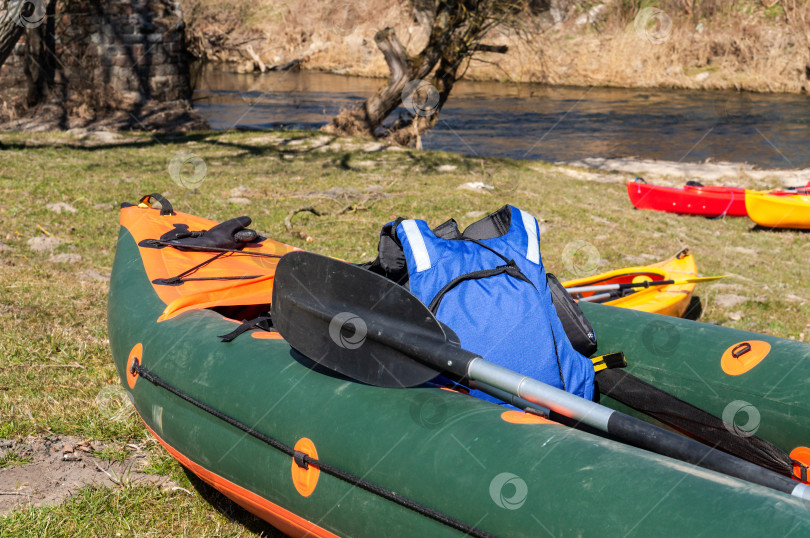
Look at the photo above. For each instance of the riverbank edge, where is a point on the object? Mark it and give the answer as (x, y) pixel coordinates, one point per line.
(754, 51)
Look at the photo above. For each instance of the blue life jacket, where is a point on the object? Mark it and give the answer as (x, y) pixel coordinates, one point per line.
(493, 293)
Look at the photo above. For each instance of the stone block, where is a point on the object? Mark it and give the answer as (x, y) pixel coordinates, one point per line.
(133, 38)
(121, 61)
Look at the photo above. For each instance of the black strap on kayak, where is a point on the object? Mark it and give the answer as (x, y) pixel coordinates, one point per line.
(576, 326)
(177, 280)
(157, 243)
(693, 421)
(303, 460)
(262, 322)
(183, 277)
(165, 206)
(608, 361)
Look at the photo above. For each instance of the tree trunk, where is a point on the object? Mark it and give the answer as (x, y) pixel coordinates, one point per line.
(40, 58)
(366, 118)
(456, 29)
(10, 29)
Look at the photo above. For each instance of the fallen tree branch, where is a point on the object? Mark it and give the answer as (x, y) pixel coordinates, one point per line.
(289, 66)
(351, 208)
(28, 364)
(294, 212)
(256, 59)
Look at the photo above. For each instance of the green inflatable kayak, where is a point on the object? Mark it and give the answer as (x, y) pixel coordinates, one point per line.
(316, 453)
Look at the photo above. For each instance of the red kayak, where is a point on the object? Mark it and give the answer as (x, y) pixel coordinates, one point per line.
(692, 199)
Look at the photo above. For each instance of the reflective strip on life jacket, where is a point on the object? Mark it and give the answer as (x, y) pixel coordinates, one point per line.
(533, 248)
(418, 247)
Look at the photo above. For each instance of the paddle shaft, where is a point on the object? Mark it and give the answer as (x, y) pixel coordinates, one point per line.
(636, 432)
(596, 297)
(629, 429)
(626, 285)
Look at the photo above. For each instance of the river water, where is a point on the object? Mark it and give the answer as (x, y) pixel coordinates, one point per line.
(531, 121)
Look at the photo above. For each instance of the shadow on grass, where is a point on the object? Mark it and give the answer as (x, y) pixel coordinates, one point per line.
(231, 510)
(290, 145)
(758, 229)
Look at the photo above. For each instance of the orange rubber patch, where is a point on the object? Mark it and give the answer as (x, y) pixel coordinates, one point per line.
(800, 454)
(136, 353)
(305, 480)
(743, 356)
(264, 335)
(519, 417)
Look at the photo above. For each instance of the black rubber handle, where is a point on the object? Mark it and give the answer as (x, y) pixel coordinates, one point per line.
(740, 350)
(165, 205)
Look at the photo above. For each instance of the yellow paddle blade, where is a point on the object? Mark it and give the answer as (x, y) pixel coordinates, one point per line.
(696, 279)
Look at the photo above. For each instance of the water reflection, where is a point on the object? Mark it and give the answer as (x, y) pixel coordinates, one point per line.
(538, 122)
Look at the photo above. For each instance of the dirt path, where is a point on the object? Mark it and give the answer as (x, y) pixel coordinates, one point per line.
(59, 466)
(675, 173)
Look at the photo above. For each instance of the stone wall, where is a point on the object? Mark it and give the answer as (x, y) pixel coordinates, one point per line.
(110, 54)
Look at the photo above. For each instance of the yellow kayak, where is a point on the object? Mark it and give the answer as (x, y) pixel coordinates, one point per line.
(774, 211)
(671, 300)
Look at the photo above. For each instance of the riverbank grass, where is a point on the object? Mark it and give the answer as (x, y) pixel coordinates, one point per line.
(58, 227)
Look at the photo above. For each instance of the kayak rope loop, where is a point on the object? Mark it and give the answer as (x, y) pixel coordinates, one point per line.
(181, 278)
(263, 321)
(303, 460)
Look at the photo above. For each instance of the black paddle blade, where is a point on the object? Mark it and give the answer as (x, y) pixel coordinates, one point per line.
(352, 321)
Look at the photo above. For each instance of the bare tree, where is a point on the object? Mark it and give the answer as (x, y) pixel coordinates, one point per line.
(40, 57)
(11, 25)
(424, 81)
